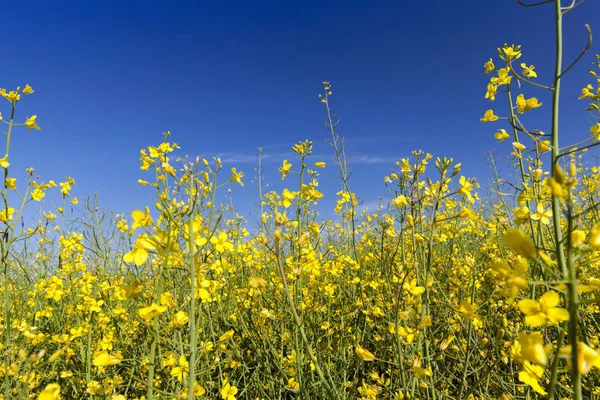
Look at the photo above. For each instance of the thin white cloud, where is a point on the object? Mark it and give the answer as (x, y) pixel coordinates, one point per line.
(372, 160)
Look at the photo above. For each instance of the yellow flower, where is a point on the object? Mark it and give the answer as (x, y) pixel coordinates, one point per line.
(179, 320)
(586, 357)
(4, 162)
(412, 287)
(530, 375)
(181, 371)
(594, 239)
(236, 176)
(465, 189)
(226, 336)
(151, 311)
(220, 242)
(400, 201)
(489, 66)
(51, 392)
(37, 194)
(27, 89)
(503, 77)
(104, 359)
(167, 299)
(139, 253)
(467, 310)
(320, 164)
(285, 169)
(544, 311)
(364, 354)
(11, 183)
(141, 218)
(530, 347)
(511, 51)
(595, 129)
(489, 116)
(587, 92)
(526, 105)
(491, 91)
(287, 197)
(228, 392)
(30, 123)
(6, 214)
(522, 244)
(501, 135)
(528, 71)
(541, 215)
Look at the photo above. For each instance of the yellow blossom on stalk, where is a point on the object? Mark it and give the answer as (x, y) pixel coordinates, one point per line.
(4, 162)
(285, 169)
(529, 347)
(65, 187)
(407, 333)
(320, 164)
(220, 242)
(489, 116)
(418, 369)
(104, 359)
(287, 197)
(37, 194)
(363, 353)
(489, 66)
(587, 92)
(139, 253)
(501, 135)
(467, 310)
(503, 77)
(594, 239)
(151, 311)
(28, 89)
(167, 299)
(543, 146)
(577, 237)
(228, 392)
(257, 283)
(544, 311)
(524, 105)
(141, 218)
(179, 320)
(11, 183)
(595, 129)
(13, 96)
(226, 336)
(528, 71)
(491, 91)
(51, 392)
(236, 177)
(181, 371)
(522, 215)
(6, 214)
(541, 215)
(30, 123)
(310, 193)
(587, 357)
(522, 244)
(412, 288)
(519, 146)
(511, 52)
(465, 189)
(400, 201)
(530, 376)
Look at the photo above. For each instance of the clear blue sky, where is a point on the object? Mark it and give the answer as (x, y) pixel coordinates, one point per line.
(228, 77)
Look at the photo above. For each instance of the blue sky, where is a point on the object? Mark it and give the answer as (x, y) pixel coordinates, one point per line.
(228, 77)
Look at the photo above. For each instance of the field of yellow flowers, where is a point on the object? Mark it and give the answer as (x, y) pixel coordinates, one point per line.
(438, 295)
